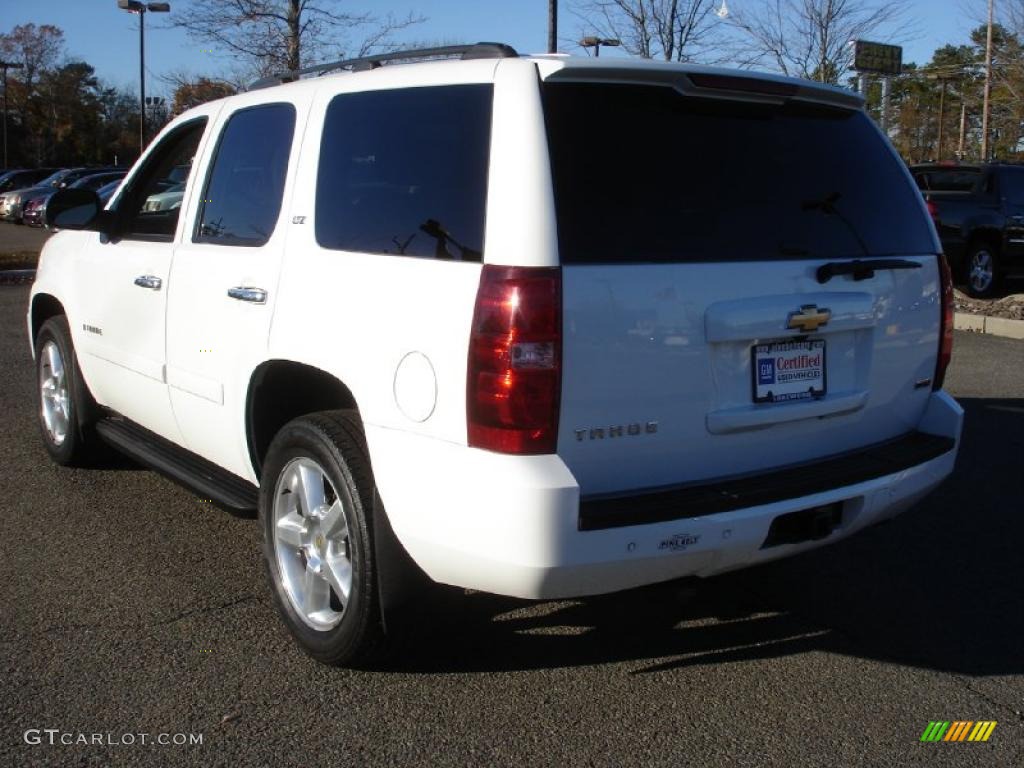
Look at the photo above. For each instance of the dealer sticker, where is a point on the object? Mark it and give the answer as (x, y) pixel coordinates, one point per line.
(788, 370)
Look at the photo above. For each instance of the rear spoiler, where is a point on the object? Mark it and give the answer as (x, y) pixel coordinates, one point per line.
(708, 82)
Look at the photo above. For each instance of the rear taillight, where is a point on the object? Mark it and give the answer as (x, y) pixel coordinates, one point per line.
(515, 360)
(946, 328)
(933, 210)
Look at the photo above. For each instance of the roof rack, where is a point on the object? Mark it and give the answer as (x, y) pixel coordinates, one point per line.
(474, 51)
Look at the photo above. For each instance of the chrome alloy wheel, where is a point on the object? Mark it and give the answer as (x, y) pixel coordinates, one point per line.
(982, 270)
(311, 542)
(53, 388)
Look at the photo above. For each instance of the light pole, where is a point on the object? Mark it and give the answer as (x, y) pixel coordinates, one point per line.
(597, 42)
(944, 81)
(5, 65)
(987, 106)
(134, 6)
(552, 26)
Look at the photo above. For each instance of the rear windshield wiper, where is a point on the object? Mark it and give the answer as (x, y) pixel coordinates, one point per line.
(861, 270)
(827, 206)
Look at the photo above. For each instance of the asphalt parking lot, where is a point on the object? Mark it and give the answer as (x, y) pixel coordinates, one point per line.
(21, 239)
(128, 606)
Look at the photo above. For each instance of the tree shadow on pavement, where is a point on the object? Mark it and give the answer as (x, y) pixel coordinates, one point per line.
(940, 587)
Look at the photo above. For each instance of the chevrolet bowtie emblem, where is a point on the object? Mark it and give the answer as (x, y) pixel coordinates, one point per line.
(809, 318)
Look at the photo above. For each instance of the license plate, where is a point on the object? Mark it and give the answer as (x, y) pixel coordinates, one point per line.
(788, 370)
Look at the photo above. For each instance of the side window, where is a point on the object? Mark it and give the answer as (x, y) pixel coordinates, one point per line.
(1012, 182)
(405, 172)
(242, 198)
(149, 207)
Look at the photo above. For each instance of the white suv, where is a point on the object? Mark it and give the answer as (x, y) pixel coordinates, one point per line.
(538, 326)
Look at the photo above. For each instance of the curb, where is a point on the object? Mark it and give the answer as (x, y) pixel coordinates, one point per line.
(17, 276)
(994, 326)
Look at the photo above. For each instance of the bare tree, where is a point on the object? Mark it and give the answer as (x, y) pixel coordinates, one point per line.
(280, 35)
(673, 30)
(811, 38)
(1011, 50)
(1008, 40)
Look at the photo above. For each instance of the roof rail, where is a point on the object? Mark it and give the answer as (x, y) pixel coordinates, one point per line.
(474, 51)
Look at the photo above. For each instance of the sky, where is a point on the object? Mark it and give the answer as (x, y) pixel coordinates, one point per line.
(98, 32)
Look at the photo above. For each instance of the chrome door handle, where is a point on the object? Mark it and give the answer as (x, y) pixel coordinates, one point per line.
(245, 293)
(149, 281)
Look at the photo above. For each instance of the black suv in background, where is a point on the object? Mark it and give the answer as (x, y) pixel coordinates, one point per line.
(979, 212)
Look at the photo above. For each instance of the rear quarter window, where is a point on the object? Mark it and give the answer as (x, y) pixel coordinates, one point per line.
(646, 174)
(405, 172)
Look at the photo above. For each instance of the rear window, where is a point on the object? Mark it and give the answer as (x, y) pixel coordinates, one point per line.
(405, 172)
(645, 174)
(948, 181)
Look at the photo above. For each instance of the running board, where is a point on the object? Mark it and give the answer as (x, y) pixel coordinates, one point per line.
(176, 463)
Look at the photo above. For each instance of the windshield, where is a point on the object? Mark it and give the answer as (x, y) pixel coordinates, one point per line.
(12, 181)
(644, 173)
(52, 179)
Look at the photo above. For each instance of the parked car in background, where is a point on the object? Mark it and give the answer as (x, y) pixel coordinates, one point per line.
(979, 213)
(54, 180)
(106, 192)
(19, 179)
(13, 208)
(13, 201)
(168, 200)
(96, 180)
(34, 209)
(78, 174)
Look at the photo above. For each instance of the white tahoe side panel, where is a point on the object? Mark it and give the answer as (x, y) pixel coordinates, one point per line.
(521, 229)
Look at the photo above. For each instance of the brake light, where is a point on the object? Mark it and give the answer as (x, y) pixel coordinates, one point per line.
(515, 360)
(946, 327)
(933, 210)
(743, 84)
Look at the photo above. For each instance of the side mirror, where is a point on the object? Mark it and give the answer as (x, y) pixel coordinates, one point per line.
(74, 209)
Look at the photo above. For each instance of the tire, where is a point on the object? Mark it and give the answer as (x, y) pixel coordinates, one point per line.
(65, 409)
(316, 512)
(981, 269)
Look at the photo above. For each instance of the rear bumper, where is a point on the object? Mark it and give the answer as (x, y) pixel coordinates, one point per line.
(511, 525)
(732, 494)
